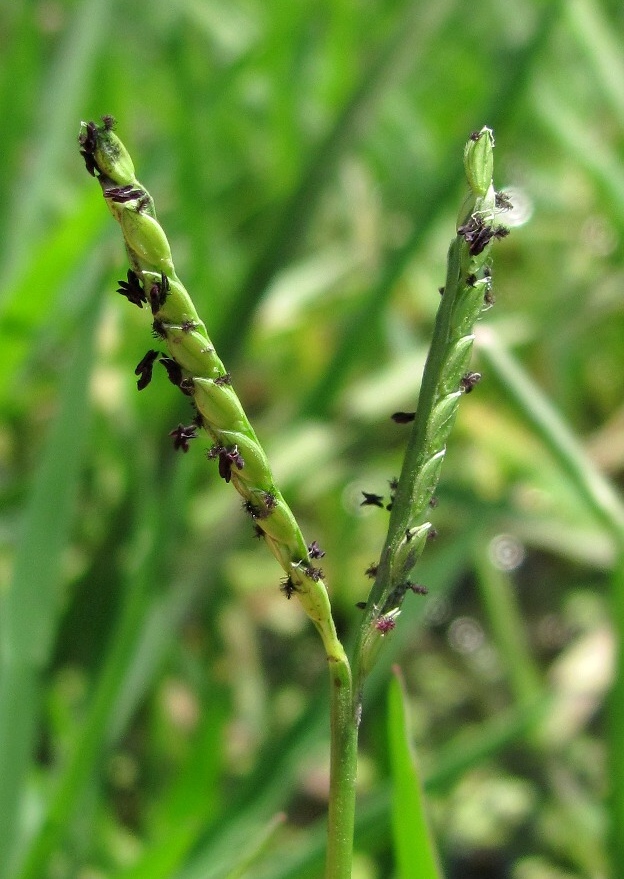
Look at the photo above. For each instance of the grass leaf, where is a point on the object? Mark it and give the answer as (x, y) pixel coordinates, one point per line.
(414, 847)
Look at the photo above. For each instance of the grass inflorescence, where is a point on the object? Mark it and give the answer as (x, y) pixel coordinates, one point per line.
(193, 366)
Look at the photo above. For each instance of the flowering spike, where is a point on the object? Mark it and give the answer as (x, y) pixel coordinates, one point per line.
(466, 294)
(193, 365)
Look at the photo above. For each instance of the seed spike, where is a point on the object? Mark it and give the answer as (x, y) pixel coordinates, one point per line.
(193, 365)
(446, 379)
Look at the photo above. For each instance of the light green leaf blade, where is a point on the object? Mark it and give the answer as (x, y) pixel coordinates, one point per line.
(30, 609)
(414, 847)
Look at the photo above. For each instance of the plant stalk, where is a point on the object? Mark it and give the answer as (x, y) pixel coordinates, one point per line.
(343, 770)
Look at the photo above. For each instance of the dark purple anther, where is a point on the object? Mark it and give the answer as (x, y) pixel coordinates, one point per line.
(158, 294)
(174, 370)
(159, 329)
(88, 141)
(418, 588)
(288, 587)
(403, 417)
(90, 163)
(372, 500)
(503, 201)
(269, 499)
(144, 369)
(476, 234)
(225, 379)
(371, 571)
(88, 138)
(249, 508)
(315, 551)
(227, 458)
(154, 298)
(313, 573)
(469, 381)
(254, 511)
(143, 202)
(181, 436)
(121, 194)
(132, 289)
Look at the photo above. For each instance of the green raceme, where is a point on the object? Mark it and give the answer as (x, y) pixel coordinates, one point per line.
(465, 295)
(194, 366)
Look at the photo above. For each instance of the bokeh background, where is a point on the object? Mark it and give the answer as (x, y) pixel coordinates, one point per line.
(160, 700)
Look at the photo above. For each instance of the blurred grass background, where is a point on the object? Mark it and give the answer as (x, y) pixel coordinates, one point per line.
(160, 702)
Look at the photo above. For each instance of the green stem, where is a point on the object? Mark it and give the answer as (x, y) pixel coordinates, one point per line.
(415, 455)
(343, 770)
(615, 719)
(402, 507)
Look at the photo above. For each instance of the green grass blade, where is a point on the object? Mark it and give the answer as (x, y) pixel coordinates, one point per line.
(31, 607)
(410, 34)
(41, 315)
(539, 414)
(602, 500)
(257, 846)
(508, 628)
(483, 741)
(90, 745)
(435, 197)
(602, 45)
(582, 142)
(414, 847)
(69, 77)
(615, 728)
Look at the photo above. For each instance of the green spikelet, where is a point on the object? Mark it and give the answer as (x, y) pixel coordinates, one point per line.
(464, 296)
(195, 367)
